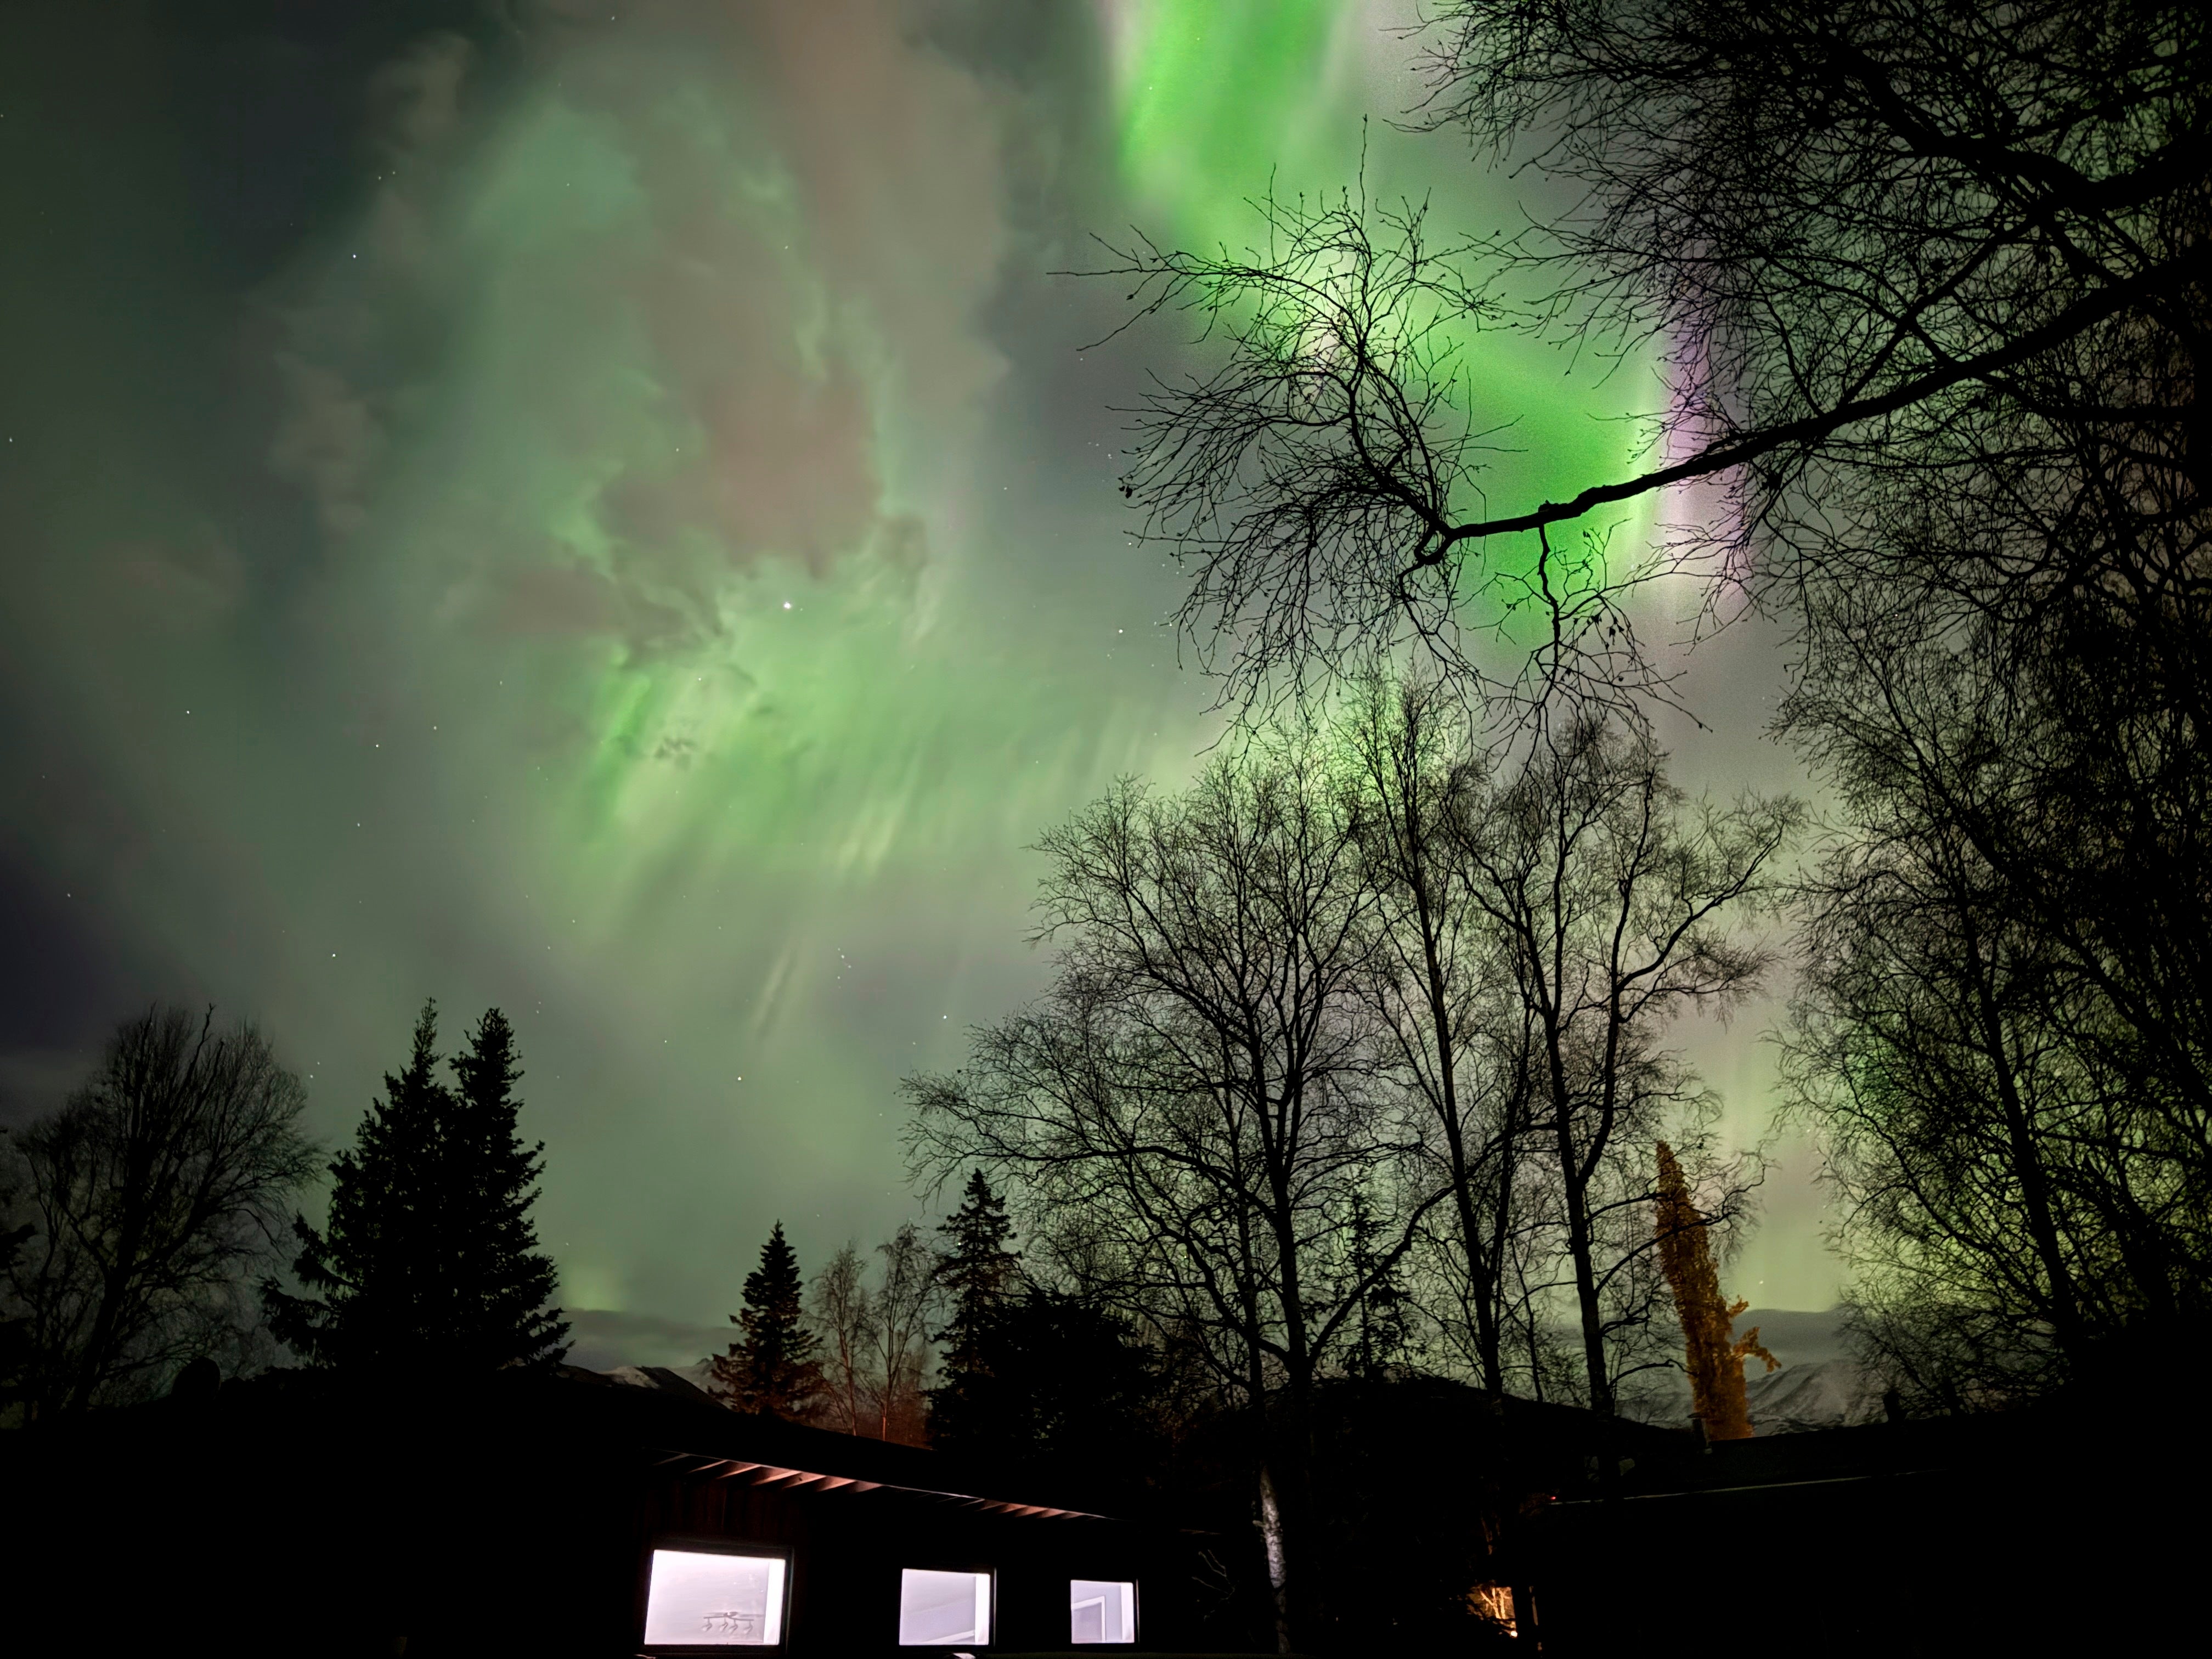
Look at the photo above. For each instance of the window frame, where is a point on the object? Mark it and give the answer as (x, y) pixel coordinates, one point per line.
(1136, 1613)
(704, 1544)
(983, 1570)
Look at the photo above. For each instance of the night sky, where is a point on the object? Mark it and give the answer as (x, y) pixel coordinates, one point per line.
(605, 510)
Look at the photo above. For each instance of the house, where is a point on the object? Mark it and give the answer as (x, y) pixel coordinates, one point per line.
(551, 1512)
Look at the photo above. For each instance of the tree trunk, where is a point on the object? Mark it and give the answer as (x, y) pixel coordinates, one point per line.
(2027, 1166)
(1572, 1189)
(1271, 1535)
(1479, 1273)
(1578, 1246)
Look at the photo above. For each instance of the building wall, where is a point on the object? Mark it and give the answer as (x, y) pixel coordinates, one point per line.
(848, 1549)
(315, 1522)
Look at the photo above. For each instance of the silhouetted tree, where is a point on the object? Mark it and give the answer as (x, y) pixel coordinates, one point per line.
(1055, 1378)
(1458, 1041)
(1614, 901)
(840, 1313)
(499, 1282)
(1948, 355)
(373, 1260)
(152, 1198)
(772, 1369)
(976, 1272)
(1868, 272)
(1381, 1330)
(429, 1255)
(1868, 264)
(1184, 1114)
(2000, 1030)
(901, 1312)
(1027, 1371)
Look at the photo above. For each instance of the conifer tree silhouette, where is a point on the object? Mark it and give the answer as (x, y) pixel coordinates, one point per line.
(1380, 1328)
(499, 1284)
(772, 1368)
(429, 1255)
(977, 1270)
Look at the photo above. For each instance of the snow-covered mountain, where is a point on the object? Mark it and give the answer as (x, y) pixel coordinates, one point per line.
(1832, 1395)
(677, 1379)
(602, 1339)
(1819, 1386)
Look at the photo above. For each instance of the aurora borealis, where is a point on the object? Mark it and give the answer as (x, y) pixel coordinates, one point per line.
(605, 510)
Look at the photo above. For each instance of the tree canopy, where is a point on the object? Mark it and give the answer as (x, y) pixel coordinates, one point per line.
(145, 1208)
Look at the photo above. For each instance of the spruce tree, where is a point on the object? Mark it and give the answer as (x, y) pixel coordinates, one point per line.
(1381, 1332)
(980, 1275)
(498, 1282)
(374, 1262)
(1028, 1373)
(976, 1270)
(772, 1369)
(429, 1255)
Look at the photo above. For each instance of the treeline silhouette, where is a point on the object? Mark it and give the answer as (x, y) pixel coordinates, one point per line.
(150, 1220)
(152, 1230)
(954, 1346)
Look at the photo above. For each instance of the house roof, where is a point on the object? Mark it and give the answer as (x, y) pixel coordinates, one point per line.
(652, 1418)
(692, 1433)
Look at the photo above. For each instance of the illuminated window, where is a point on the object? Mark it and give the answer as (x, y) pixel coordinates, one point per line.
(1102, 1610)
(1493, 1602)
(701, 1598)
(937, 1609)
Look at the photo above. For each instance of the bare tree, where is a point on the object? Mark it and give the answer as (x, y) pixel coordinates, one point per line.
(1861, 237)
(2001, 1032)
(1182, 1119)
(1933, 285)
(900, 1313)
(1458, 1041)
(842, 1315)
(1312, 483)
(157, 1194)
(1613, 909)
(1847, 225)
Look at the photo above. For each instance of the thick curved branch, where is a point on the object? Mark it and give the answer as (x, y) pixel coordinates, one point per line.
(1740, 450)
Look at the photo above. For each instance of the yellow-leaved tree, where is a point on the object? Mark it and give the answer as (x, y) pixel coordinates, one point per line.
(1712, 1353)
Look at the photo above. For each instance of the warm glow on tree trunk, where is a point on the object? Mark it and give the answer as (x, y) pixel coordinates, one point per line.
(1713, 1354)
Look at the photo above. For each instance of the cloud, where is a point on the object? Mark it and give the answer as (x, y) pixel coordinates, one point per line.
(348, 356)
(415, 100)
(700, 290)
(327, 443)
(180, 584)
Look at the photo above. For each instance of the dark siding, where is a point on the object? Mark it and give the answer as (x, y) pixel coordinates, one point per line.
(308, 1519)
